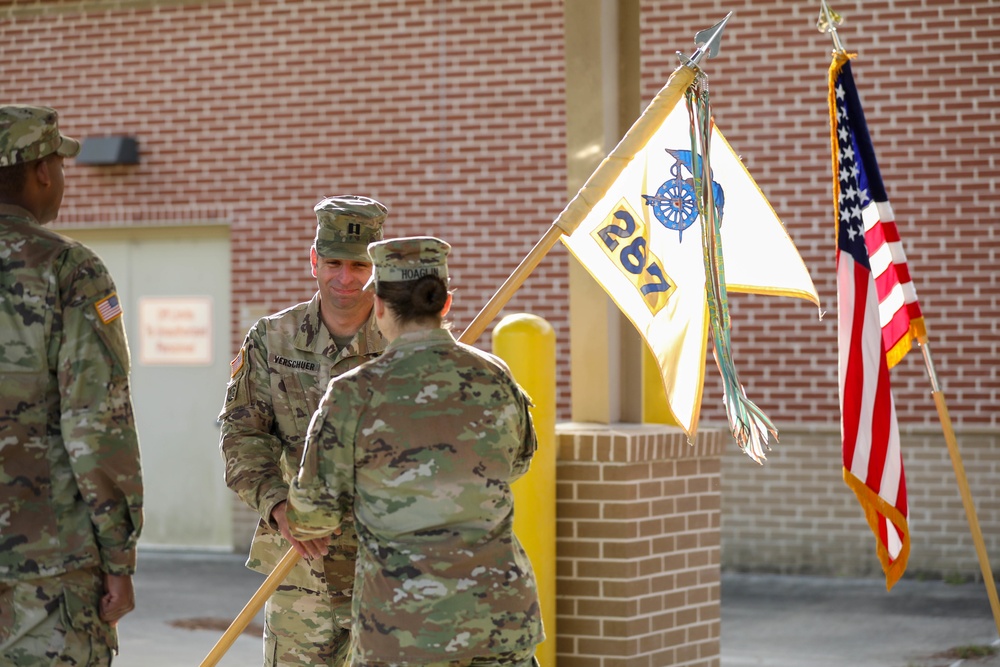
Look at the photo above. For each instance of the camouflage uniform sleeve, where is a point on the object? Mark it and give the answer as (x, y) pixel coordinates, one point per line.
(322, 492)
(250, 451)
(97, 421)
(529, 441)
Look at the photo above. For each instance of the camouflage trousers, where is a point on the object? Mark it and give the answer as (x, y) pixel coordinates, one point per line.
(304, 628)
(54, 622)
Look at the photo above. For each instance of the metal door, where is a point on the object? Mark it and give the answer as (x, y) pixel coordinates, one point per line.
(174, 286)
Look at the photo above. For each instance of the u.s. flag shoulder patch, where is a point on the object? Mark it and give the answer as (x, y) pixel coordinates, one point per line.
(109, 308)
(236, 364)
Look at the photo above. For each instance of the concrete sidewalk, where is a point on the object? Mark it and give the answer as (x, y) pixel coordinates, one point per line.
(792, 621)
(184, 603)
(186, 600)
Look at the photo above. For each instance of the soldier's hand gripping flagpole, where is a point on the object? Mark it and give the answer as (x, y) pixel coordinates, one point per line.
(567, 221)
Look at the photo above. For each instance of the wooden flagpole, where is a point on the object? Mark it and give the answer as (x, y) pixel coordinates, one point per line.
(963, 485)
(243, 619)
(828, 22)
(570, 218)
(606, 173)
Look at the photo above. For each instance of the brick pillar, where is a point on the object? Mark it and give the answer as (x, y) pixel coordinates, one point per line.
(638, 551)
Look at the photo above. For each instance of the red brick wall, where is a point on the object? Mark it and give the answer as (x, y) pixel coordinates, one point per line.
(795, 515)
(452, 113)
(927, 75)
(449, 112)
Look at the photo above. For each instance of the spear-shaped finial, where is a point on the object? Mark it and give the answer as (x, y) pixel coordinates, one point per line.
(827, 22)
(707, 41)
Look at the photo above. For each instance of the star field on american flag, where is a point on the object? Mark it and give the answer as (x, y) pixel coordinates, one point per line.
(854, 196)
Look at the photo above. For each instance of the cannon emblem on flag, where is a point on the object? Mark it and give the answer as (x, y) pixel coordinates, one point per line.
(675, 204)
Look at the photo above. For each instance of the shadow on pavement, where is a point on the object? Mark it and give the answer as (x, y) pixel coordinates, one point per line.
(185, 600)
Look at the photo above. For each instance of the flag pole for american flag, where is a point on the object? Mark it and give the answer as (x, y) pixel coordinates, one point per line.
(907, 309)
(596, 186)
(963, 483)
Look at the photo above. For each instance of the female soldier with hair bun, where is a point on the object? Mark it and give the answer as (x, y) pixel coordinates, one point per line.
(423, 444)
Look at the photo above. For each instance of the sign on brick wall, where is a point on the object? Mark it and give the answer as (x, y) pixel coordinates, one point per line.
(175, 331)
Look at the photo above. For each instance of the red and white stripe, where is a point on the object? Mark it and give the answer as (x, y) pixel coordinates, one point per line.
(899, 311)
(871, 453)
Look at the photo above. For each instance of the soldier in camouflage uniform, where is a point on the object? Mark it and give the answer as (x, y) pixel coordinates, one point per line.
(278, 377)
(422, 445)
(70, 476)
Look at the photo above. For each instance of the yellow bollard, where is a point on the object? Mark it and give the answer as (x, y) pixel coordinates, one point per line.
(654, 398)
(528, 344)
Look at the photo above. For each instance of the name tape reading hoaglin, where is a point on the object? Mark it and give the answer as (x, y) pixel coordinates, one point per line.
(419, 272)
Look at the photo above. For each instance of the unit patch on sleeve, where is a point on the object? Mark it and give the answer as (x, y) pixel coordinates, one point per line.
(236, 364)
(109, 309)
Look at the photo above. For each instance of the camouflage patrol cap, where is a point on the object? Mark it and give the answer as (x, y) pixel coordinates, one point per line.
(346, 224)
(28, 133)
(408, 258)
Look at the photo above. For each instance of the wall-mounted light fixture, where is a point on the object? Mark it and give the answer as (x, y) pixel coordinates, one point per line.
(109, 151)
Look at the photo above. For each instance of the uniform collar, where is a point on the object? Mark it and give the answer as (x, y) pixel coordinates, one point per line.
(15, 211)
(422, 337)
(313, 336)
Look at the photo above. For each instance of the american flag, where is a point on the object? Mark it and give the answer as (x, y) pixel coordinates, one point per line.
(877, 319)
(109, 308)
